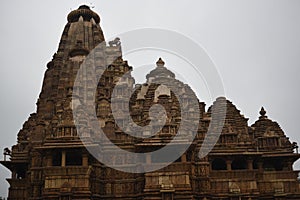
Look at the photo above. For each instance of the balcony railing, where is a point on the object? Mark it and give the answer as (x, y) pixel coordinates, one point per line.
(66, 171)
(275, 175)
(234, 174)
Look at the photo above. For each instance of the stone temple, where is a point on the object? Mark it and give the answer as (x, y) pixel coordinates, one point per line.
(50, 161)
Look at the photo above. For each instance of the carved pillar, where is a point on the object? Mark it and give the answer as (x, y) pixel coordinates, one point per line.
(250, 164)
(49, 160)
(228, 164)
(85, 160)
(183, 157)
(63, 158)
(260, 166)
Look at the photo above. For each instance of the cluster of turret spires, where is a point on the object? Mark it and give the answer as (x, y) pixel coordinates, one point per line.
(50, 161)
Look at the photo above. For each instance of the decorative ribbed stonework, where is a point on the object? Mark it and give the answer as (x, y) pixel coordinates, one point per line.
(50, 161)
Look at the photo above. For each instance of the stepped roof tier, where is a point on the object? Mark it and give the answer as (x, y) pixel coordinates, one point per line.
(50, 160)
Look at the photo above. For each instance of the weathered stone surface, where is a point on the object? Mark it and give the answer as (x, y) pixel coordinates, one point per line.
(50, 161)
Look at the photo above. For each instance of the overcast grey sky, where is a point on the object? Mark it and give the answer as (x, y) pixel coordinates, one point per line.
(254, 44)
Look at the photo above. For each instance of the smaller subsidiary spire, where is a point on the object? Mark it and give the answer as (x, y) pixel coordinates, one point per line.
(160, 63)
(262, 113)
(160, 71)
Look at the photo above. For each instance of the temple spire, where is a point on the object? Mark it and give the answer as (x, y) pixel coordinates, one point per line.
(81, 34)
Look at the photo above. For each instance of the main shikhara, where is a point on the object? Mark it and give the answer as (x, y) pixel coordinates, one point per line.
(50, 161)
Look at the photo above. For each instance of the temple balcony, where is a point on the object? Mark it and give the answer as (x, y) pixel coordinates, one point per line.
(73, 176)
(171, 181)
(281, 182)
(252, 181)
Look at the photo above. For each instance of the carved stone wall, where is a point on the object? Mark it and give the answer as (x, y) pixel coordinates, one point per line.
(49, 160)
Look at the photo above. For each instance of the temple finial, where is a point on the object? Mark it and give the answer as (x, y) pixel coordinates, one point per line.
(160, 63)
(262, 113)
